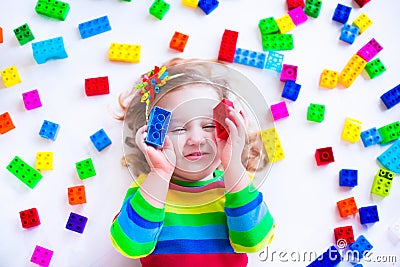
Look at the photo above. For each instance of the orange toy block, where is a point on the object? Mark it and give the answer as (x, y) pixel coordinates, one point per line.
(347, 207)
(76, 195)
(178, 41)
(6, 123)
(1, 35)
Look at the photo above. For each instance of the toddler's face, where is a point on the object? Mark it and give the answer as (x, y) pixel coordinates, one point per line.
(192, 130)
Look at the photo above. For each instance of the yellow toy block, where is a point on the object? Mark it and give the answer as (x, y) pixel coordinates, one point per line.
(362, 22)
(272, 144)
(10, 76)
(124, 52)
(44, 160)
(190, 3)
(329, 78)
(351, 130)
(352, 69)
(285, 23)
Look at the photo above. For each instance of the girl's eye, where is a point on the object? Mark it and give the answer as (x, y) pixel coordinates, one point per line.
(178, 130)
(210, 126)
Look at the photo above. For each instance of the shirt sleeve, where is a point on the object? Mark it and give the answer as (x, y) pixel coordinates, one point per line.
(251, 225)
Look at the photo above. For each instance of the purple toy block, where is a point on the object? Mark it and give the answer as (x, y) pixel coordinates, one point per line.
(31, 99)
(289, 72)
(76, 223)
(368, 51)
(298, 15)
(279, 111)
(41, 256)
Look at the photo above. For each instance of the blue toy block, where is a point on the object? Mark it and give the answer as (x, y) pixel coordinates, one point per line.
(349, 33)
(348, 177)
(94, 27)
(250, 58)
(274, 61)
(291, 90)
(329, 258)
(342, 13)
(76, 222)
(158, 125)
(358, 265)
(49, 49)
(208, 5)
(368, 214)
(360, 247)
(390, 159)
(391, 97)
(100, 140)
(49, 130)
(370, 137)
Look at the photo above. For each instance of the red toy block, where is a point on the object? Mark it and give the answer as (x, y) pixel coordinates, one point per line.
(221, 112)
(347, 207)
(292, 4)
(345, 233)
(29, 218)
(1, 35)
(97, 86)
(178, 41)
(6, 123)
(324, 156)
(362, 3)
(76, 195)
(227, 48)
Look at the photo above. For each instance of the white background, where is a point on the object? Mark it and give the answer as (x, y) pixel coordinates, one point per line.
(301, 196)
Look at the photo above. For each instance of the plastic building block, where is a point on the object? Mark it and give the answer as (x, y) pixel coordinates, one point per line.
(10, 76)
(342, 13)
(85, 169)
(274, 61)
(97, 86)
(49, 49)
(227, 47)
(158, 126)
(324, 156)
(348, 177)
(6, 124)
(1, 35)
(159, 8)
(277, 42)
(368, 214)
(190, 3)
(316, 112)
(208, 5)
(93, 27)
(375, 68)
(52, 8)
(178, 41)
(268, 26)
(358, 265)
(370, 137)
(49, 130)
(124, 52)
(272, 145)
(362, 246)
(362, 22)
(389, 132)
(31, 99)
(220, 113)
(395, 228)
(279, 111)
(289, 72)
(362, 3)
(24, 34)
(382, 182)
(351, 130)
(285, 23)
(369, 50)
(329, 78)
(344, 233)
(391, 97)
(329, 258)
(100, 140)
(390, 159)
(29, 218)
(291, 90)
(76, 195)
(298, 16)
(250, 58)
(76, 223)
(28, 175)
(349, 33)
(42, 256)
(44, 161)
(313, 8)
(292, 4)
(347, 207)
(351, 71)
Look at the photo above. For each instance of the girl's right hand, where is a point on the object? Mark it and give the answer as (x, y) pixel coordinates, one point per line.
(161, 161)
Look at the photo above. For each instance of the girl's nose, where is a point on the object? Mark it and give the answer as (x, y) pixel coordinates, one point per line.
(196, 136)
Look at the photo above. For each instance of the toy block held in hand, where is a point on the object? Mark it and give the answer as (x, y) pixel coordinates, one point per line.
(42, 256)
(158, 126)
(221, 112)
(100, 140)
(347, 207)
(31, 99)
(28, 175)
(76, 195)
(178, 41)
(6, 124)
(97, 86)
(10, 76)
(76, 223)
(52, 8)
(29, 218)
(85, 169)
(324, 156)
(93, 27)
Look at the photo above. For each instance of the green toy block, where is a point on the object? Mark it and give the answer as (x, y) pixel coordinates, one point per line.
(52, 8)
(85, 169)
(375, 68)
(159, 8)
(389, 132)
(24, 34)
(382, 182)
(277, 42)
(316, 112)
(313, 8)
(268, 26)
(24, 172)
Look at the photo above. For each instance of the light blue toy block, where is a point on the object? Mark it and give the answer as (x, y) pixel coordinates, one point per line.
(250, 58)
(49, 49)
(274, 61)
(158, 126)
(100, 140)
(390, 159)
(93, 27)
(349, 33)
(362, 246)
(370, 137)
(49, 130)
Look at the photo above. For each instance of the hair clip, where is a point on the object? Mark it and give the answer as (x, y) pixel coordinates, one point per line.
(151, 83)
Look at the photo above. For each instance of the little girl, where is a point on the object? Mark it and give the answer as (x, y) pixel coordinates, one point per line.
(193, 202)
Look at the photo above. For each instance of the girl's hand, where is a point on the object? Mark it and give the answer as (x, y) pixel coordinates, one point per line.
(161, 161)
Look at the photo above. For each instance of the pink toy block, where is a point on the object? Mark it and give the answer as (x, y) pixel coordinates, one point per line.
(368, 51)
(42, 256)
(298, 15)
(279, 111)
(289, 72)
(31, 99)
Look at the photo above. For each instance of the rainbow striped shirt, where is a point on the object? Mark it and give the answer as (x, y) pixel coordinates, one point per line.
(201, 225)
